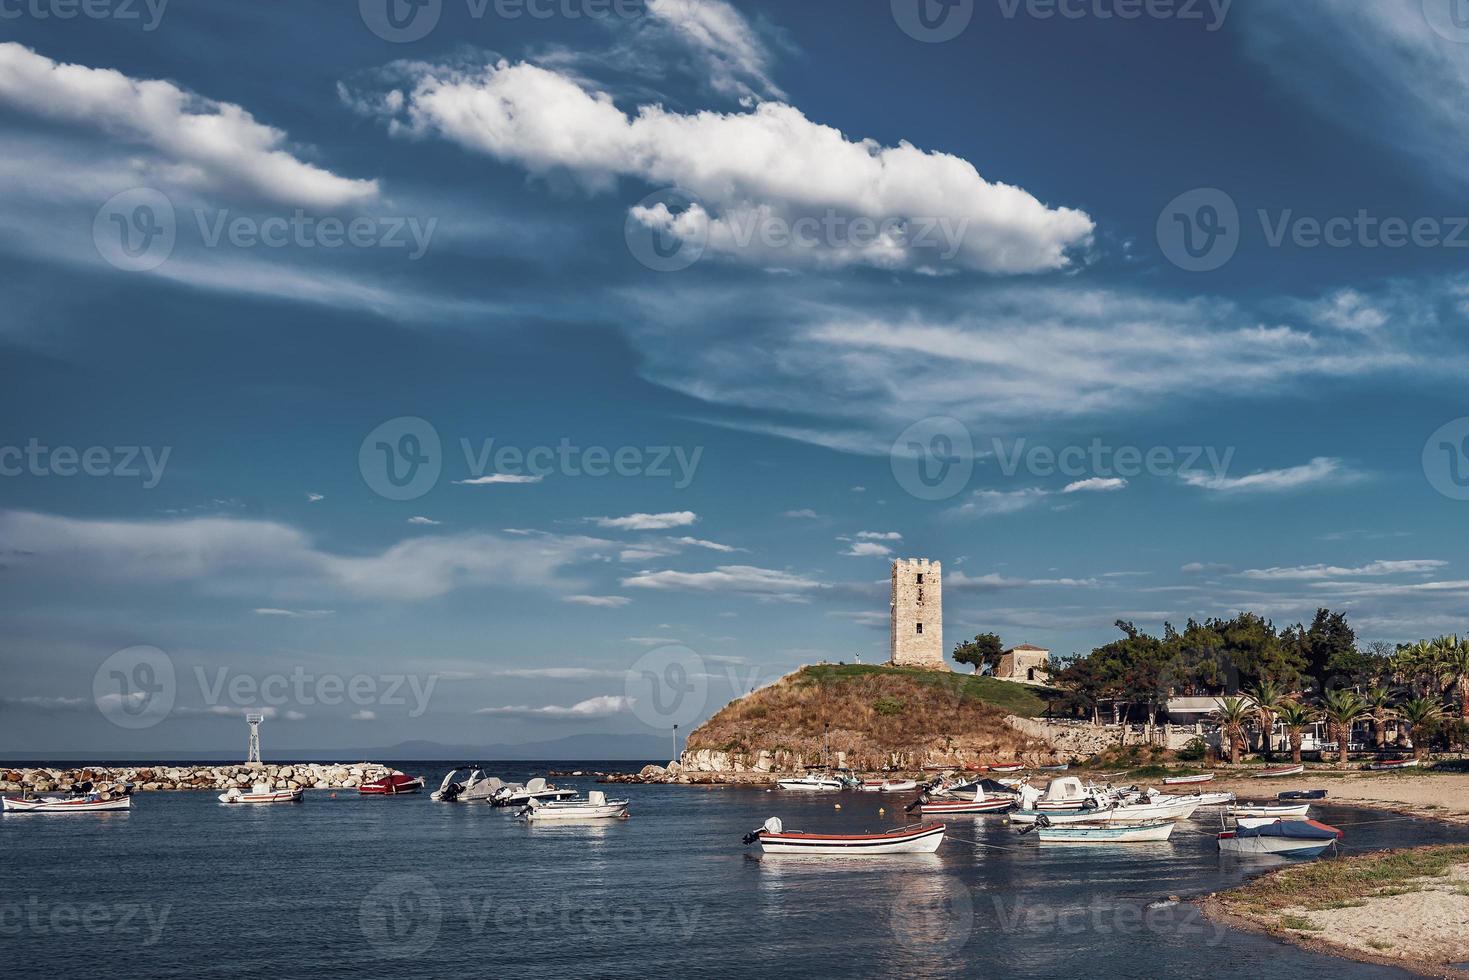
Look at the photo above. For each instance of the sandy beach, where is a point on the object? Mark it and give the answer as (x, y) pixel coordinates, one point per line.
(1440, 796)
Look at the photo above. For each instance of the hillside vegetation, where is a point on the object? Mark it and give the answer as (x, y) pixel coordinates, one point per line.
(878, 717)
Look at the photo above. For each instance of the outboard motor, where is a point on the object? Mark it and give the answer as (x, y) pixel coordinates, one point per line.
(922, 799)
(772, 826)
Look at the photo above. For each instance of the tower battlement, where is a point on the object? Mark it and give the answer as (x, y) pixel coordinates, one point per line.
(917, 618)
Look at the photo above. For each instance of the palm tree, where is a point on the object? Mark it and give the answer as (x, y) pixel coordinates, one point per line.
(1267, 696)
(1341, 708)
(1379, 706)
(1422, 716)
(1232, 714)
(1455, 663)
(1296, 717)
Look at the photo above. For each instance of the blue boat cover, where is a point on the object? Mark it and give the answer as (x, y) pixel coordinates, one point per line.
(1294, 829)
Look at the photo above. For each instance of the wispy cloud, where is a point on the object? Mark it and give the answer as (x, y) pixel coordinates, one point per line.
(424, 521)
(647, 522)
(294, 613)
(599, 601)
(1377, 568)
(987, 503)
(492, 479)
(1322, 469)
(743, 579)
(599, 707)
(1096, 484)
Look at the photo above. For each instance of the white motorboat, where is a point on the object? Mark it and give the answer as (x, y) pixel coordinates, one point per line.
(1287, 838)
(1275, 772)
(474, 789)
(1129, 833)
(1275, 811)
(1215, 799)
(595, 807)
(773, 838)
(261, 793)
(537, 789)
(889, 785)
(1202, 777)
(86, 803)
(814, 782)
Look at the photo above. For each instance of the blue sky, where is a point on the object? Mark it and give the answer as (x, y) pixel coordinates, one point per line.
(728, 303)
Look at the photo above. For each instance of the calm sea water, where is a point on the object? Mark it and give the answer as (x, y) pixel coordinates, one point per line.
(184, 887)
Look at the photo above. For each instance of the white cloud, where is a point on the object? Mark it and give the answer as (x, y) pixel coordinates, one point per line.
(987, 503)
(48, 704)
(879, 536)
(315, 497)
(599, 601)
(709, 545)
(958, 582)
(1322, 469)
(1205, 568)
(647, 522)
(867, 549)
(804, 513)
(364, 715)
(558, 673)
(294, 613)
(201, 142)
(751, 171)
(734, 56)
(1348, 309)
(424, 521)
(599, 707)
(1096, 484)
(745, 579)
(1306, 572)
(495, 478)
(650, 641)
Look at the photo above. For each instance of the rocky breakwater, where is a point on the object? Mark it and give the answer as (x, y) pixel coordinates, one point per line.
(301, 775)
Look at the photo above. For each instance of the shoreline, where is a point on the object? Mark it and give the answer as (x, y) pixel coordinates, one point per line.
(192, 778)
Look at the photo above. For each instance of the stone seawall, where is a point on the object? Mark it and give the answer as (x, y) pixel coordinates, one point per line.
(301, 775)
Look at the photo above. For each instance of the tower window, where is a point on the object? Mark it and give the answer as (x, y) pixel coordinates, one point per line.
(920, 627)
(920, 578)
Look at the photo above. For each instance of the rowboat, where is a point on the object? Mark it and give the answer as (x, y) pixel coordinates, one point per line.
(1289, 838)
(965, 806)
(889, 786)
(1388, 765)
(261, 793)
(1265, 821)
(1006, 767)
(1277, 810)
(1107, 833)
(91, 803)
(1275, 771)
(1202, 777)
(595, 807)
(1215, 799)
(396, 784)
(773, 838)
(816, 783)
(1061, 768)
(1171, 809)
(1302, 794)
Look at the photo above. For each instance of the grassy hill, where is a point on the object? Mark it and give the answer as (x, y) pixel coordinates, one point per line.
(878, 716)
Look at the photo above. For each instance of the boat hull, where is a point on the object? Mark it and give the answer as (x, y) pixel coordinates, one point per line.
(563, 812)
(1390, 766)
(938, 807)
(1278, 812)
(1204, 777)
(59, 804)
(1279, 771)
(274, 796)
(1109, 834)
(400, 786)
(921, 840)
(810, 785)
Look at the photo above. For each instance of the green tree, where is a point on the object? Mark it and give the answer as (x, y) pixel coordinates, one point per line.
(1268, 697)
(1296, 717)
(1379, 705)
(1423, 715)
(1341, 709)
(1454, 660)
(1233, 714)
(984, 651)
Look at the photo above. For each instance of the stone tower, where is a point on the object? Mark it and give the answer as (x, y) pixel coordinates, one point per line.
(917, 614)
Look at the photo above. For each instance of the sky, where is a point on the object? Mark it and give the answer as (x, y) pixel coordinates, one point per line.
(491, 371)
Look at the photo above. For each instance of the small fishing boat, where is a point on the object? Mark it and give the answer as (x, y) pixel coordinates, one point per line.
(1302, 794)
(1169, 809)
(1274, 772)
(979, 803)
(88, 803)
(261, 793)
(595, 807)
(1110, 833)
(1389, 765)
(1215, 799)
(1202, 777)
(1288, 838)
(1006, 767)
(814, 782)
(889, 785)
(1293, 811)
(1061, 768)
(773, 838)
(396, 784)
(536, 789)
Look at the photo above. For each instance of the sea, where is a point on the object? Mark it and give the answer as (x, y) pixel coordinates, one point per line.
(348, 886)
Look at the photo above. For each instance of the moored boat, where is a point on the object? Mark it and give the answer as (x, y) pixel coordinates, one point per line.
(773, 838)
(262, 793)
(1006, 767)
(1288, 838)
(475, 788)
(814, 782)
(1273, 772)
(1202, 777)
(1294, 811)
(89, 803)
(889, 785)
(1215, 799)
(1110, 833)
(1302, 794)
(395, 784)
(595, 807)
(536, 789)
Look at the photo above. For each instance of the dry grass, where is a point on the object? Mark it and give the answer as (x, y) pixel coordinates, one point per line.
(1344, 883)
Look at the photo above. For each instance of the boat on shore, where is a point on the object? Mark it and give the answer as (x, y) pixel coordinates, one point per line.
(1287, 838)
(262, 793)
(1292, 811)
(81, 803)
(395, 784)
(1390, 765)
(1108, 833)
(1302, 794)
(773, 838)
(595, 807)
(1202, 777)
(1006, 767)
(1215, 799)
(1274, 772)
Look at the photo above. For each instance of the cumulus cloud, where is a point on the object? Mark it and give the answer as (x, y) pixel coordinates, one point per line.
(647, 522)
(839, 201)
(1321, 469)
(879, 536)
(1096, 484)
(201, 141)
(599, 707)
(867, 549)
(424, 521)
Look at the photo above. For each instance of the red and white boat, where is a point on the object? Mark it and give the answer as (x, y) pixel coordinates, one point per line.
(773, 838)
(1203, 777)
(396, 784)
(261, 793)
(1275, 771)
(1006, 767)
(1388, 765)
(91, 803)
(965, 806)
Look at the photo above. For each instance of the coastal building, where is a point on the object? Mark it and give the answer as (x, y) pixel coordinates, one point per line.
(917, 616)
(1025, 664)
